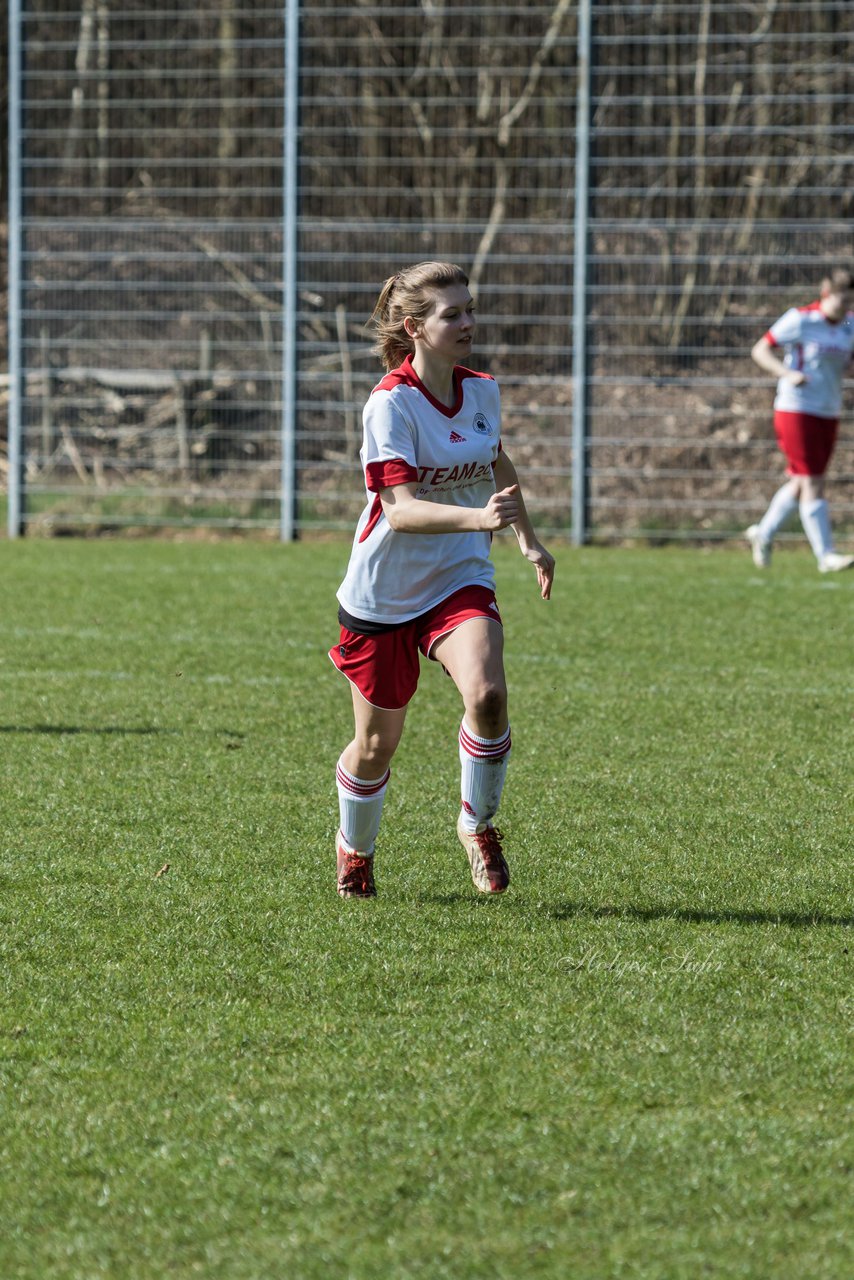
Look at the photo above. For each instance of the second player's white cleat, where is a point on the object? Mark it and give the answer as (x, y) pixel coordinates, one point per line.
(760, 547)
(833, 562)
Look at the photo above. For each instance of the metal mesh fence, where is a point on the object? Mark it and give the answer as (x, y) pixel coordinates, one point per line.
(449, 132)
(721, 178)
(151, 248)
(154, 193)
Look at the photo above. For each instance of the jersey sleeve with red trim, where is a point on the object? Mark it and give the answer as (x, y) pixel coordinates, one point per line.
(388, 442)
(381, 475)
(787, 329)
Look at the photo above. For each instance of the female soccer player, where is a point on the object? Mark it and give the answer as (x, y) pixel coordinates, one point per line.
(817, 342)
(420, 578)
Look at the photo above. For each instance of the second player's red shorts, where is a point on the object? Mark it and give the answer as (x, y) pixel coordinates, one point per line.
(385, 667)
(807, 441)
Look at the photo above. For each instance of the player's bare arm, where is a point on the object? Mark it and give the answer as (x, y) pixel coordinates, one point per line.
(763, 355)
(407, 513)
(532, 549)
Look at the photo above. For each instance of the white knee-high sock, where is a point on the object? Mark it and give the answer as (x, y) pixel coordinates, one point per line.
(360, 806)
(483, 770)
(815, 517)
(781, 506)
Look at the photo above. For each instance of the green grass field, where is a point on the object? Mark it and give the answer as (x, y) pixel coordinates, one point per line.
(635, 1064)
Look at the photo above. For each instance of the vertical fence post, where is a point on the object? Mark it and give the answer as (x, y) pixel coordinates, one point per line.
(290, 177)
(15, 484)
(580, 412)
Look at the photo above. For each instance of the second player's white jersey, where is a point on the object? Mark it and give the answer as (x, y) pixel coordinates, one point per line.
(410, 437)
(820, 349)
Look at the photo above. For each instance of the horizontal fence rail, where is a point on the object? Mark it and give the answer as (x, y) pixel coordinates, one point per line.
(204, 202)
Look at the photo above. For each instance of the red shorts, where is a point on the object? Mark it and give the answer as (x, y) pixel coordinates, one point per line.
(807, 441)
(385, 667)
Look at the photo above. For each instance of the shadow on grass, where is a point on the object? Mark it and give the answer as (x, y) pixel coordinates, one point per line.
(793, 919)
(107, 728)
(576, 910)
(78, 728)
(454, 899)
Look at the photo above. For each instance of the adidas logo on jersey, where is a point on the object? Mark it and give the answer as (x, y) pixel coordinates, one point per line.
(456, 439)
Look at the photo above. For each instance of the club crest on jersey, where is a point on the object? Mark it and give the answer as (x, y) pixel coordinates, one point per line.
(481, 425)
(456, 439)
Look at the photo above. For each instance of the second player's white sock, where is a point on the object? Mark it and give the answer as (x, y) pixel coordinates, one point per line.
(781, 506)
(360, 806)
(483, 764)
(815, 517)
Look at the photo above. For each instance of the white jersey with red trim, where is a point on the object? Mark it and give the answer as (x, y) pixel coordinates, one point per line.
(410, 437)
(819, 348)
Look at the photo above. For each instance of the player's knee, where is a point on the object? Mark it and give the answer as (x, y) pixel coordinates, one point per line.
(375, 753)
(490, 708)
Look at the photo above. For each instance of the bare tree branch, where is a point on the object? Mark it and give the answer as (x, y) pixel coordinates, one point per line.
(507, 122)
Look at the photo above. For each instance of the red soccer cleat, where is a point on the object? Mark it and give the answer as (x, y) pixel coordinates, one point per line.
(355, 872)
(489, 869)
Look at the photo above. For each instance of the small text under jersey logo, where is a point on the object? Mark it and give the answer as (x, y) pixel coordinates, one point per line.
(481, 425)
